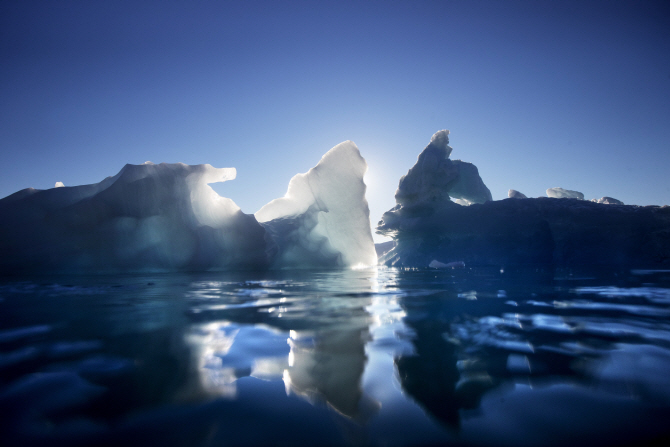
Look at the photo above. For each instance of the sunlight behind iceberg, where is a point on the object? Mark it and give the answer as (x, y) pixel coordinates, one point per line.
(323, 220)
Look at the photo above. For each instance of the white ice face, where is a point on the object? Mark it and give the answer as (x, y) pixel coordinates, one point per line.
(324, 218)
(560, 193)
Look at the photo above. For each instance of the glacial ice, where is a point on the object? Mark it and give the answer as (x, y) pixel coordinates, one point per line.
(560, 193)
(608, 201)
(435, 179)
(430, 230)
(514, 194)
(324, 216)
(434, 184)
(165, 217)
(146, 218)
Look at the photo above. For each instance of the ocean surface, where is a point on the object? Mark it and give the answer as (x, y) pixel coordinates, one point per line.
(377, 357)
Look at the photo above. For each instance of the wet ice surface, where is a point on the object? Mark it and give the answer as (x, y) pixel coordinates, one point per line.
(364, 357)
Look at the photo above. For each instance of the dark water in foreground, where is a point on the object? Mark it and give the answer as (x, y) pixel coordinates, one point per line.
(364, 357)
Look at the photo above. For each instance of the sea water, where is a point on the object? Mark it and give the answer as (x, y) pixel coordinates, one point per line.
(360, 357)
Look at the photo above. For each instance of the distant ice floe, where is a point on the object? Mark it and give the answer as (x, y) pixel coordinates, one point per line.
(560, 193)
(166, 217)
(608, 201)
(514, 194)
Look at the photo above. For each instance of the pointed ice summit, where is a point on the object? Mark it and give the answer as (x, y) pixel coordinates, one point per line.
(433, 184)
(166, 217)
(435, 178)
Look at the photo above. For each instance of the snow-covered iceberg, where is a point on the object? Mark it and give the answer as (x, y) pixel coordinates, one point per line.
(166, 217)
(429, 229)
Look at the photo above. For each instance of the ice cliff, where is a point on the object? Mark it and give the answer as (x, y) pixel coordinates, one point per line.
(165, 217)
(429, 228)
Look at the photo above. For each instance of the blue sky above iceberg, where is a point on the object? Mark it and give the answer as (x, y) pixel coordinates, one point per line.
(537, 94)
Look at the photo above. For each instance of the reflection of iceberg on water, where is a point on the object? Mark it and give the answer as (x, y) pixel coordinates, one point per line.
(165, 217)
(225, 352)
(322, 366)
(328, 366)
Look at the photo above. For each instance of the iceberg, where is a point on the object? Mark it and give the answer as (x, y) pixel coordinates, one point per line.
(608, 201)
(435, 178)
(430, 230)
(166, 217)
(514, 194)
(560, 193)
(148, 217)
(324, 219)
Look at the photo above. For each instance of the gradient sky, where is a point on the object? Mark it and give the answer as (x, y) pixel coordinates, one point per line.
(537, 94)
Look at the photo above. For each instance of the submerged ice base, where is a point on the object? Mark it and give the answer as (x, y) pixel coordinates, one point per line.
(165, 217)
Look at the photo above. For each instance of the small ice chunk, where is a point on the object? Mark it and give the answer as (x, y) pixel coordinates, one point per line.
(514, 194)
(59, 185)
(608, 201)
(462, 202)
(560, 193)
(435, 179)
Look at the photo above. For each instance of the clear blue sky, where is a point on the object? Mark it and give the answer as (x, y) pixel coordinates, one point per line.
(537, 94)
